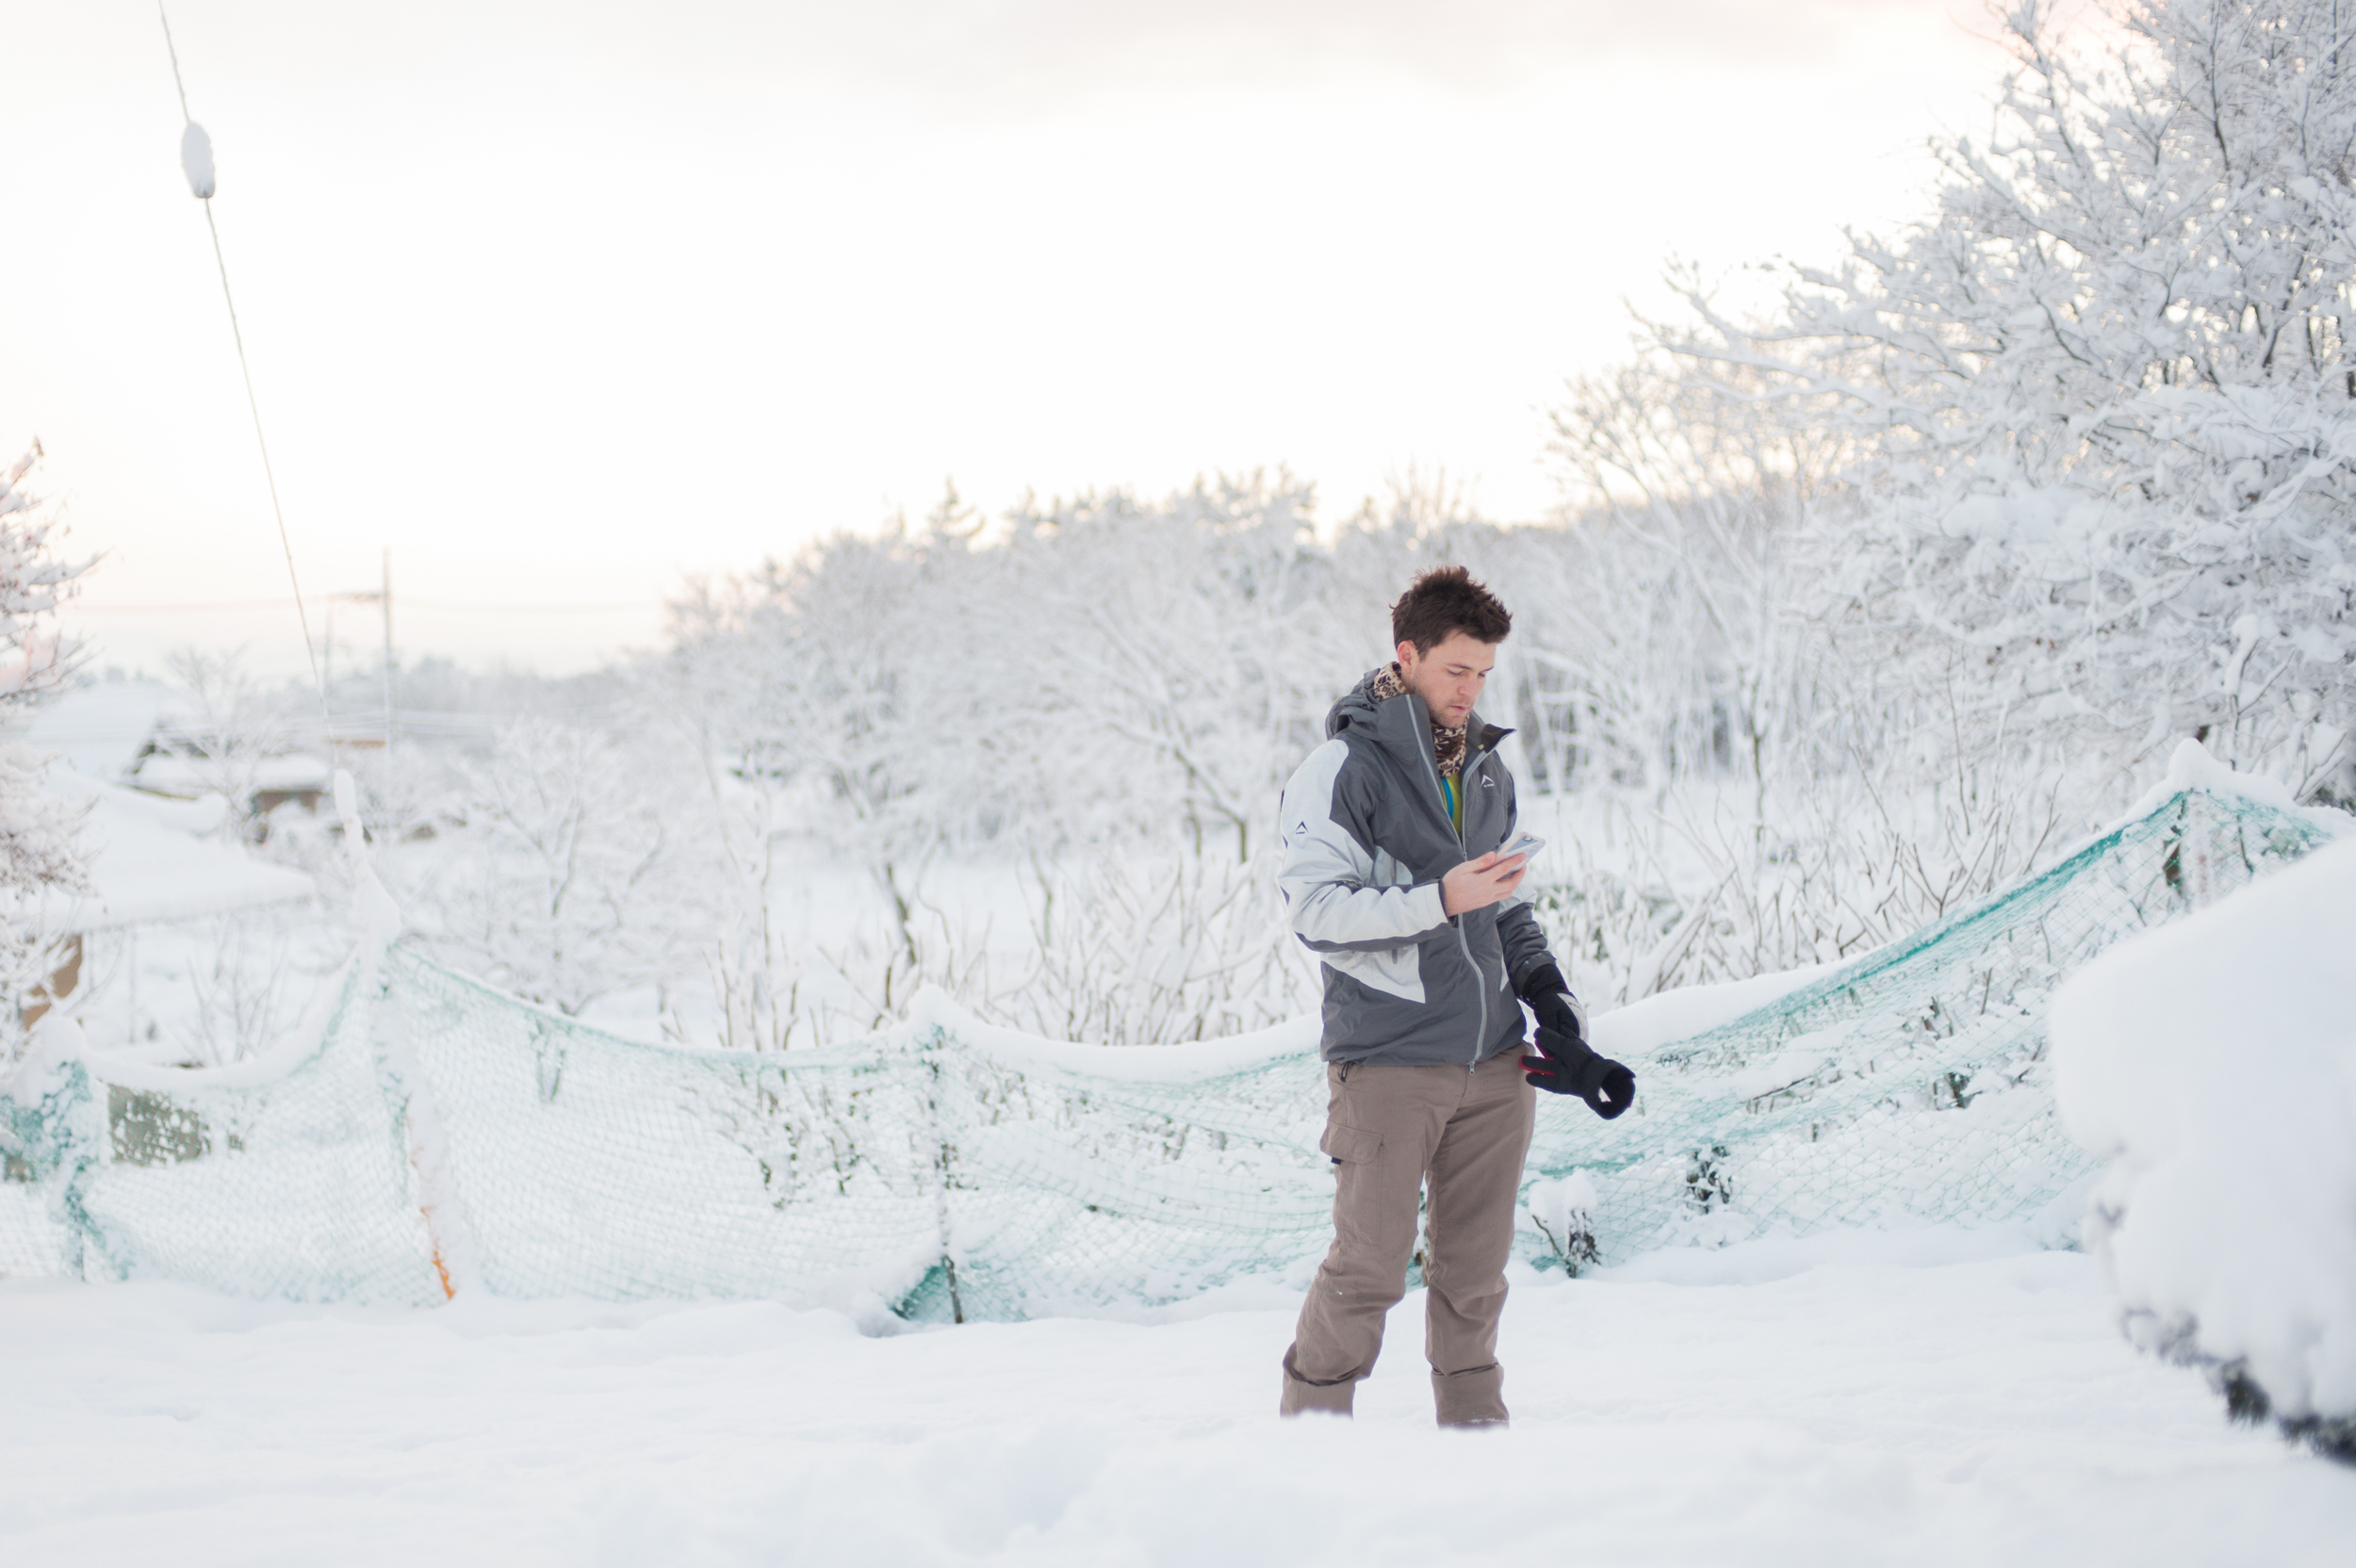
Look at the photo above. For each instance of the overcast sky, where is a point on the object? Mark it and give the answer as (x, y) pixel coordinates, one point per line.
(559, 302)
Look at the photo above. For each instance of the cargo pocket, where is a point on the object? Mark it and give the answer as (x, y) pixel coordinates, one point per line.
(1351, 1145)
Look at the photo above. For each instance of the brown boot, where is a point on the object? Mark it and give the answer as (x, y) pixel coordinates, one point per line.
(1301, 1395)
(1474, 1398)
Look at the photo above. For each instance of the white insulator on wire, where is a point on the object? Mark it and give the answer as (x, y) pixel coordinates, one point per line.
(196, 160)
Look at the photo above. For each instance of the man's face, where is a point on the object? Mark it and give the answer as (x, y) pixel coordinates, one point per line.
(1448, 678)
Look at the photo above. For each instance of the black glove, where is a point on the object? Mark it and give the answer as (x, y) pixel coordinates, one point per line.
(1549, 997)
(1567, 1066)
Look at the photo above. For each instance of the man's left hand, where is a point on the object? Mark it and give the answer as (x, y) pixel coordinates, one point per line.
(1549, 997)
(1566, 1066)
(1560, 1011)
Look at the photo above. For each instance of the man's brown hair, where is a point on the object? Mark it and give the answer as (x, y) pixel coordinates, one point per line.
(1445, 599)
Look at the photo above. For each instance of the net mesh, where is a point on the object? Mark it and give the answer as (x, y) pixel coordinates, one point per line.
(1913, 1086)
(441, 1130)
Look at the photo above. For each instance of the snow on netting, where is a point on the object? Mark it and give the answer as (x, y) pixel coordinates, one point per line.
(1912, 1085)
(952, 1171)
(256, 1179)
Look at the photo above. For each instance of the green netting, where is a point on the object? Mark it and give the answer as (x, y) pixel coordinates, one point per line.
(287, 1180)
(1912, 1085)
(441, 1129)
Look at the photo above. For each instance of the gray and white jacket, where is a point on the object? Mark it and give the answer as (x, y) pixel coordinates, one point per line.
(1366, 837)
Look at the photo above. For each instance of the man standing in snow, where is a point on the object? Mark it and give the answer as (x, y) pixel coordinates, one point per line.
(1390, 874)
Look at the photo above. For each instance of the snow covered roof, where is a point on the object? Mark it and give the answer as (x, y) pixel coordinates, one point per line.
(150, 860)
(169, 773)
(103, 732)
(99, 731)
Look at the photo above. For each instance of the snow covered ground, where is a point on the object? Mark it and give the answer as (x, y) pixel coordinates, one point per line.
(1926, 1399)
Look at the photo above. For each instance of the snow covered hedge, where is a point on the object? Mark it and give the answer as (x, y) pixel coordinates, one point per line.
(2213, 1063)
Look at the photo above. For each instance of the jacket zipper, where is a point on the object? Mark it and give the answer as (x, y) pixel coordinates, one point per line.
(1480, 981)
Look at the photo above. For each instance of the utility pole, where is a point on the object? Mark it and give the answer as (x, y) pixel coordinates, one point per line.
(382, 597)
(387, 593)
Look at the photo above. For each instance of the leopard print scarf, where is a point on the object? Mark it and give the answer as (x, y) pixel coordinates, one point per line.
(1447, 744)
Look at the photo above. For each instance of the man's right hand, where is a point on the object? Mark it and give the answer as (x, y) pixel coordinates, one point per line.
(1478, 884)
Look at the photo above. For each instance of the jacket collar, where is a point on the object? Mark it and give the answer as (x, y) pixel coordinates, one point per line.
(1402, 724)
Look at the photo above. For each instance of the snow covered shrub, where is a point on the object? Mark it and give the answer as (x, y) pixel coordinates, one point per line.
(741, 797)
(252, 976)
(1156, 948)
(1709, 1184)
(565, 879)
(2097, 413)
(1716, 881)
(2213, 1063)
(1563, 1212)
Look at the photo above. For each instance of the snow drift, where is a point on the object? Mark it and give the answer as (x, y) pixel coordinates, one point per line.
(2213, 1063)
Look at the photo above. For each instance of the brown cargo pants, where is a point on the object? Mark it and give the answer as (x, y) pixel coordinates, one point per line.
(1389, 1131)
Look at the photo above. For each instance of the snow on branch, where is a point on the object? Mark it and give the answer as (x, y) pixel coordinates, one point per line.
(2099, 409)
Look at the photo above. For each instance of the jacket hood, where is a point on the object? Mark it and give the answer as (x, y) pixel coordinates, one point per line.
(1356, 707)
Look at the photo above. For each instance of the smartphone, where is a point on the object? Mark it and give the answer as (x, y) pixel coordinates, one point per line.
(1524, 844)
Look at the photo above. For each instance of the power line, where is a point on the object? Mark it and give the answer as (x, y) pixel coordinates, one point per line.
(193, 143)
(81, 608)
(170, 48)
(408, 602)
(524, 608)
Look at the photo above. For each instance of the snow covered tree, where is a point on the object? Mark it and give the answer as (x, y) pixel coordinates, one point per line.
(1185, 650)
(2103, 404)
(1689, 509)
(37, 849)
(34, 580)
(1835, 796)
(848, 681)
